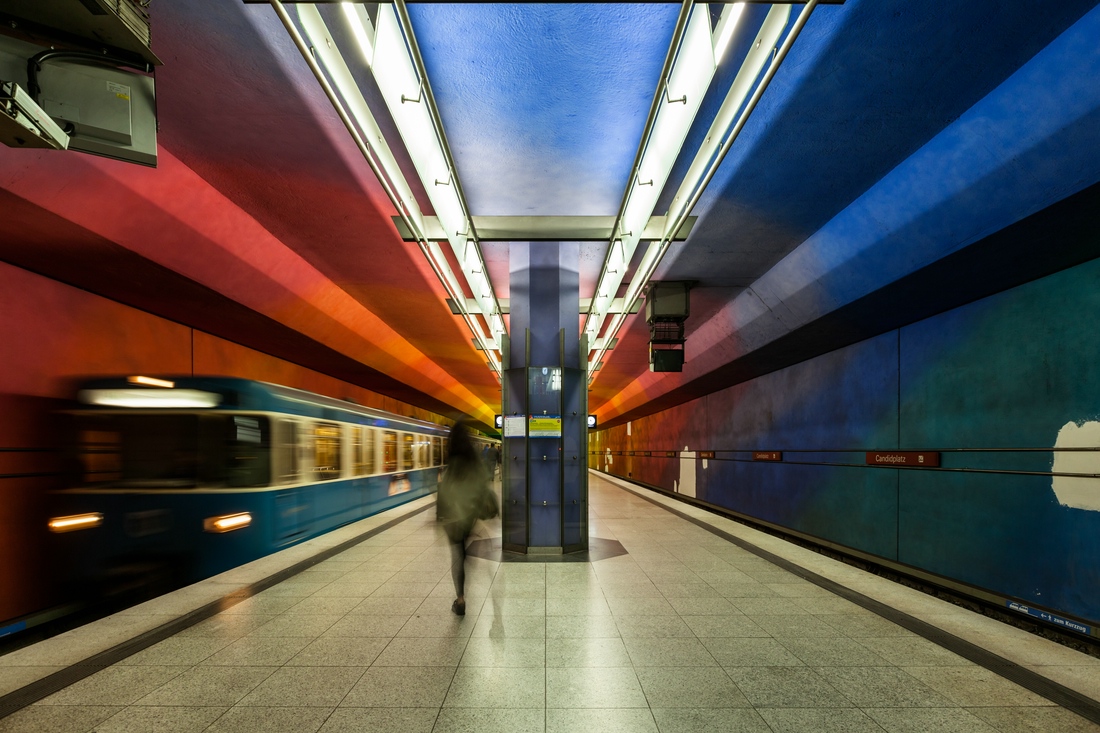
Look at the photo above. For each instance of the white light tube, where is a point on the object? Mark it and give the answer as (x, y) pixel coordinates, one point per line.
(689, 79)
(759, 54)
(726, 26)
(400, 86)
(325, 49)
(353, 12)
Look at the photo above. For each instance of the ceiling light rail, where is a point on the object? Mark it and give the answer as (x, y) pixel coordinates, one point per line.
(717, 143)
(353, 111)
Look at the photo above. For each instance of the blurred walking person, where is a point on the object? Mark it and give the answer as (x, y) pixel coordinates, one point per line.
(464, 497)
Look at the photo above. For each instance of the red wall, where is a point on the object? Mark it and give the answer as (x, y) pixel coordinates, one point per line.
(52, 335)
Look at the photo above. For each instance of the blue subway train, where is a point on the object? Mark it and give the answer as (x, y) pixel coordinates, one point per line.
(178, 479)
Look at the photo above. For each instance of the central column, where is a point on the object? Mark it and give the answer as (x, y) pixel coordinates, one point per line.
(545, 403)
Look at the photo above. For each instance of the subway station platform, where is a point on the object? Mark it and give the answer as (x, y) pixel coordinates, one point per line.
(679, 621)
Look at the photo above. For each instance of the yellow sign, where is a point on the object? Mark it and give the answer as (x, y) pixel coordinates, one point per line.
(544, 426)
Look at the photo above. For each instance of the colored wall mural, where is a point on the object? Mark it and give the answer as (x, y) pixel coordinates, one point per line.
(993, 387)
(51, 335)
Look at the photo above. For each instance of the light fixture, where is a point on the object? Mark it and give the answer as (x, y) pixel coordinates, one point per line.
(395, 66)
(727, 23)
(728, 123)
(151, 382)
(359, 30)
(150, 398)
(685, 79)
(75, 522)
(227, 523)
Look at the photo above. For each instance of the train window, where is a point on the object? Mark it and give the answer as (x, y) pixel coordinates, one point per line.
(423, 451)
(437, 452)
(389, 452)
(287, 468)
(172, 451)
(364, 450)
(446, 447)
(408, 442)
(326, 451)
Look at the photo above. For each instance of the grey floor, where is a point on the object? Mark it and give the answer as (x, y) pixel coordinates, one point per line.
(685, 632)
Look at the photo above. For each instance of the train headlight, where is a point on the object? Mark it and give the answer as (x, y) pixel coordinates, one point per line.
(227, 522)
(75, 522)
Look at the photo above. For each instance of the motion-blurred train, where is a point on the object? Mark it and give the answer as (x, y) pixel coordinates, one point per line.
(179, 479)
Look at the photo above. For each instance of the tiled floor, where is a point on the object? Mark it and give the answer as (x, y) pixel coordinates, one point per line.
(686, 632)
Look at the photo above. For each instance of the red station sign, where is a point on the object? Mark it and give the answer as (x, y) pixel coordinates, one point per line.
(767, 455)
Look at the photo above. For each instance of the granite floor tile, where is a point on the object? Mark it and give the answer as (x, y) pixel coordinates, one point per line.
(912, 651)
(270, 720)
(253, 651)
(974, 686)
(750, 652)
(437, 651)
(1034, 720)
(697, 606)
(505, 652)
(490, 720)
(356, 625)
(400, 687)
(882, 687)
(690, 687)
(381, 720)
(724, 626)
(115, 685)
(795, 625)
(595, 605)
(324, 605)
(922, 720)
(497, 687)
(819, 720)
(339, 652)
(177, 650)
(832, 652)
(303, 687)
(208, 687)
(711, 720)
(604, 720)
(145, 719)
(653, 626)
(424, 625)
(57, 718)
(587, 652)
(786, 687)
(588, 687)
(668, 652)
(297, 625)
(559, 627)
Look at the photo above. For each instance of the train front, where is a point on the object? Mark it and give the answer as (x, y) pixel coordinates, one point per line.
(159, 479)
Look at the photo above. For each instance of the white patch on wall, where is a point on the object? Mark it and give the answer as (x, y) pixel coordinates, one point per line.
(1079, 493)
(607, 461)
(686, 485)
(628, 429)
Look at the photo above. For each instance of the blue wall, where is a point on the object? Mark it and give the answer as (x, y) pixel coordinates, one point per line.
(1005, 372)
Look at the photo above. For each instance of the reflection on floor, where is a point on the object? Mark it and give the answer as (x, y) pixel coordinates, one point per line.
(682, 632)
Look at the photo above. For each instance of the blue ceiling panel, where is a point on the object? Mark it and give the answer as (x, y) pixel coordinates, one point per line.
(866, 85)
(543, 105)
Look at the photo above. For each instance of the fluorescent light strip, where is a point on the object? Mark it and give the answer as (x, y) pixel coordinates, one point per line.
(151, 382)
(352, 12)
(710, 156)
(726, 26)
(150, 398)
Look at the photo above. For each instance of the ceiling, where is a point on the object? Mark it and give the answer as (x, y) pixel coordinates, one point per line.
(898, 142)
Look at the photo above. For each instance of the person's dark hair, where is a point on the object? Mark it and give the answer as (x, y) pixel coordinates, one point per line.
(460, 445)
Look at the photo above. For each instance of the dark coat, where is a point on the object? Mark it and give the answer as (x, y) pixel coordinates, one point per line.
(462, 496)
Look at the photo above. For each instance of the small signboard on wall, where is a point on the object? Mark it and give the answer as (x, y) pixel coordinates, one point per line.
(916, 459)
(515, 426)
(544, 426)
(767, 455)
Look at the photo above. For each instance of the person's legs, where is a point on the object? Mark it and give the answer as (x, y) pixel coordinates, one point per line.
(458, 574)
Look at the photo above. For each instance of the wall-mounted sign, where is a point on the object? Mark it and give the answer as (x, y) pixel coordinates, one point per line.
(706, 454)
(767, 455)
(645, 453)
(515, 426)
(920, 459)
(670, 454)
(1050, 618)
(544, 426)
